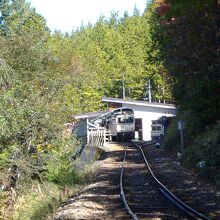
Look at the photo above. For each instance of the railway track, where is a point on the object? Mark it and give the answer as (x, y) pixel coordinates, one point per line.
(144, 196)
(141, 194)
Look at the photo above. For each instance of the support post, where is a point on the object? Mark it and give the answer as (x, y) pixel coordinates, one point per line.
(87, 130)
(104, 137)
(181, 126)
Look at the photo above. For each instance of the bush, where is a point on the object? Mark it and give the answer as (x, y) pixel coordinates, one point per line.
(38, 177)
(206, 147)
(172, 138)
(4, 158)
(40, 201)
(59, 163)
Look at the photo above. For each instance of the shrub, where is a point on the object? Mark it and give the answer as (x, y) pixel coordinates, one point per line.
(206, 147)
(172, 138)
(59, 163)
(4, 158)
(51, 168)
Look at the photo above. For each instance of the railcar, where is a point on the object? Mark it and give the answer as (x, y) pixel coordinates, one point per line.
(157, 131)
(120, 122)
(159, 127)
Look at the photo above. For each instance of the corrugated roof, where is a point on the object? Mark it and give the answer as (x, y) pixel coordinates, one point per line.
(139, 103)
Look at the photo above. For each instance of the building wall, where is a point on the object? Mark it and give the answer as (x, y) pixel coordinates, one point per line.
(148, 114)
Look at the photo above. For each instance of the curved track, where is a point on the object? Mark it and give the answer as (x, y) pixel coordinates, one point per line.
(144, 196)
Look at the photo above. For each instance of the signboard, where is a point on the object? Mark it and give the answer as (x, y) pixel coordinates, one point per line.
(181, 125)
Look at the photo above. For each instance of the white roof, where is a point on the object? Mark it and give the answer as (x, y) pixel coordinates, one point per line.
(139, 103)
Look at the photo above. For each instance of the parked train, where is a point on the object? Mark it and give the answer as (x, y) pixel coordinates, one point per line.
(120, 122)
(159, 127)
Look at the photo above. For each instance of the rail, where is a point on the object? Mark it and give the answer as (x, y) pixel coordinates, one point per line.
(122, 194)
(172, 198)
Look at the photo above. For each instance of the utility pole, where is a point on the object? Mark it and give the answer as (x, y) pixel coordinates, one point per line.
(123, 85)
(159, 91)
(148, 91)
(164, 101)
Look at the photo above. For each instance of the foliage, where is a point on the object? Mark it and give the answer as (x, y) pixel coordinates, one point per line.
(172, 138)
(191, 54)
(117, 51)
(63, 172)
(206, 147)
(17, 17)
(31, 111)
(48, 165)
(41, 200)
(188, 43)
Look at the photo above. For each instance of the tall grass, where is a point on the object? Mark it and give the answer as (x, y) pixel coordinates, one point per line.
(39, 201)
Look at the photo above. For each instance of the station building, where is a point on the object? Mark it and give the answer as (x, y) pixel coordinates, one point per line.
(144, 113)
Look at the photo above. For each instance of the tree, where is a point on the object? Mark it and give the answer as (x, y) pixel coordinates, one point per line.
(191, 56)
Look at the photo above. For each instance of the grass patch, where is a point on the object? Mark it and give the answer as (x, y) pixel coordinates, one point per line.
(39, 201)
(42, 200)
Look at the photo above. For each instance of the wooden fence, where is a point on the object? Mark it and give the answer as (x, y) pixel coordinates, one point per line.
(98, 137)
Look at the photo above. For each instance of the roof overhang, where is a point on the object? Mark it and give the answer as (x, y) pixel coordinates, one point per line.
(139, 103)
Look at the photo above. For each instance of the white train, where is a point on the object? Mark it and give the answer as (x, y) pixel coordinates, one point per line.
(120, 122)
(157, 131)
(159, 127)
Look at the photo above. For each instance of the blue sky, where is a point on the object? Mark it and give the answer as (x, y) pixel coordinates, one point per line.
(67, 15)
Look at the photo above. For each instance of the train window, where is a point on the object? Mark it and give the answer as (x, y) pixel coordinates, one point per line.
(130, 120)
(126, 120)
(159, 128)
(154, 128)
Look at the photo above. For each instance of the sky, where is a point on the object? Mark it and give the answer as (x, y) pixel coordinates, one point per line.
(67, 15)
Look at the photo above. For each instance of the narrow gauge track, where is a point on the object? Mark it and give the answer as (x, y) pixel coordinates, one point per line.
(141, 191)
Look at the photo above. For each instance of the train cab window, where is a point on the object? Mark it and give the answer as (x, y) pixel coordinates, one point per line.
(125, 120)
(159, 128)
(154, 128)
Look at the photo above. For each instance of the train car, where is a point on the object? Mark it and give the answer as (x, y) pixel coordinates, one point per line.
(120, 122)
(157, 131)
(159, 127)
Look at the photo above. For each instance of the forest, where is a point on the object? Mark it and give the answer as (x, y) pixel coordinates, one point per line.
(46, 77)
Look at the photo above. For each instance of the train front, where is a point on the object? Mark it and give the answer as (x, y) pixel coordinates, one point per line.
(125, 125)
